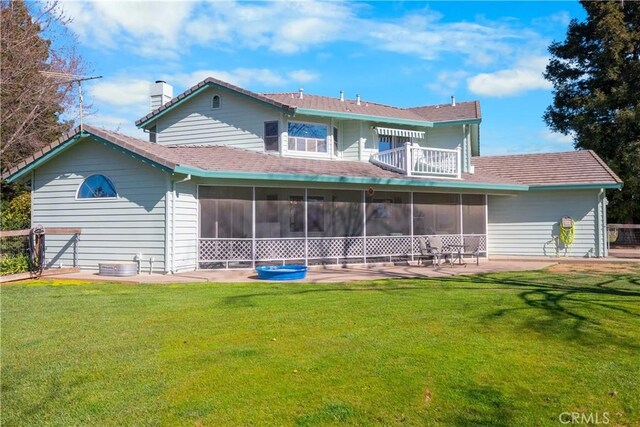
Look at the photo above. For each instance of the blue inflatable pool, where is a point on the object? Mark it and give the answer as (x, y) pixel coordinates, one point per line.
(282, 272)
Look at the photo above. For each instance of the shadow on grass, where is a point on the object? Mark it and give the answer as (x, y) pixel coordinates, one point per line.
(486, 407)
(569, 306)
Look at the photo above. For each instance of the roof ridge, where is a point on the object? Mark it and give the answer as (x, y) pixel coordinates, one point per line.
(528, 154)
(604, 165)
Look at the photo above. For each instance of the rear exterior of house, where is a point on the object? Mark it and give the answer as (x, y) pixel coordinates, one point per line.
(231, 178)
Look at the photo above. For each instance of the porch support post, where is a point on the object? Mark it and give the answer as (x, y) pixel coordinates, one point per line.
(364, 226)
(411, 223)
(408, 158)
(253, 227)
(459, 156)
(486, 226)
(306, 228)
(461, 220)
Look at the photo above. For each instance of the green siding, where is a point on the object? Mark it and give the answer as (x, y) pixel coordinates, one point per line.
(112, 230)
(238, 122)
(524, 225)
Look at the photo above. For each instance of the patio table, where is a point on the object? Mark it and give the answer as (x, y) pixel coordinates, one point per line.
(458, 249)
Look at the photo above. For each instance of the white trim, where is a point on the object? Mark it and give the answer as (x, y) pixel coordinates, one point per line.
(95, 199)
(219, 102)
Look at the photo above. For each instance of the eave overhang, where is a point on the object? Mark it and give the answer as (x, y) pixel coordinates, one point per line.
(335, 179)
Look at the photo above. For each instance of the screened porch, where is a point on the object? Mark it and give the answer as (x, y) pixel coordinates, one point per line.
(241, 227)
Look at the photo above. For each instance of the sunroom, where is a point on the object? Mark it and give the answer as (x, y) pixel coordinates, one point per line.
(241, 227)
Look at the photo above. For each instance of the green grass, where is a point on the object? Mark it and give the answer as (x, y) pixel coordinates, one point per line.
(496, 350)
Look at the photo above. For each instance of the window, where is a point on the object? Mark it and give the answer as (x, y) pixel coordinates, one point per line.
(152, 134)
(335, 141)
(307, 137)
(96, 187)
(215, 103)
(388, 142)
(271, 136)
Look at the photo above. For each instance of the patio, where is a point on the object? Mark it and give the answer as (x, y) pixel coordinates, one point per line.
(327, 274)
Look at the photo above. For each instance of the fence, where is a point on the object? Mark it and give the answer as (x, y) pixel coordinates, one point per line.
(624, 234)
(14, 248)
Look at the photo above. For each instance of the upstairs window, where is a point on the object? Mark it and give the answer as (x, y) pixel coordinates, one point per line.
(307, 137)
(97, 187)
(215, 103)
(271, 136)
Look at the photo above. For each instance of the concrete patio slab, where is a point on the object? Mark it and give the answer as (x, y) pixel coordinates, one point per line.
(330, 274)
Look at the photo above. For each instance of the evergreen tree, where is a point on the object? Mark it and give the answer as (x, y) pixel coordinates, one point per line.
(596, 77)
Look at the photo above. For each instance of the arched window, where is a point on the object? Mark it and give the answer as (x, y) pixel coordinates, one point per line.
(216, 101)
(97, 187)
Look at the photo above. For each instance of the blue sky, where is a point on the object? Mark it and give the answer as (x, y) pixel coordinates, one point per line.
(398, 53)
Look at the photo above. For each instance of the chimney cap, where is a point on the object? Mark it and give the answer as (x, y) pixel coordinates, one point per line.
(160, 81)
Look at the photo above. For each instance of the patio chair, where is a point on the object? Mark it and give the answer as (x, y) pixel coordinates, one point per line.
(472, 248)
(444, 251)
(427, 252)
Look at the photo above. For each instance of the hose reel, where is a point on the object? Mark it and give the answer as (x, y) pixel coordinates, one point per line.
(36, 251)
(567, 230)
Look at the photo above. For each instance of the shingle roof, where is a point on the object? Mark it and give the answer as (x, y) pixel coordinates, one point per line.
(207, 82)
(577, 167)
(448, 112)
(291, 101)
(434, 113)
(571, 167)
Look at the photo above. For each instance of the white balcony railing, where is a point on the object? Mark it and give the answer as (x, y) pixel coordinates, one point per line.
(413, 160)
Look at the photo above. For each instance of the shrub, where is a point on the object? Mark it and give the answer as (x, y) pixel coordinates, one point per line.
(16, 213)
(14, 264)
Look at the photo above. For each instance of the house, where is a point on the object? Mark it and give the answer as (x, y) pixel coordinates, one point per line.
(231, 178)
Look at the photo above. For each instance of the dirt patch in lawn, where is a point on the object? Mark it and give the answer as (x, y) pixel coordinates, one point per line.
(597, 267)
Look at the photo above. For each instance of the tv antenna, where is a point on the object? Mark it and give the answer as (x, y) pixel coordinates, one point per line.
(71, 78)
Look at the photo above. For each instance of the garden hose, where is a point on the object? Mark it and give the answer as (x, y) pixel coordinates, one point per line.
(36, 251)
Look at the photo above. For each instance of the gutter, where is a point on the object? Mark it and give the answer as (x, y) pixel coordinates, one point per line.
(334, 179)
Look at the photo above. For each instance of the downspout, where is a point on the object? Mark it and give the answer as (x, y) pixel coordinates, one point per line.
(173, 220)
(602, 226)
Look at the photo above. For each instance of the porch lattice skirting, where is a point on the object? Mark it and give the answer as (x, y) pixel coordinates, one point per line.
(230, 253)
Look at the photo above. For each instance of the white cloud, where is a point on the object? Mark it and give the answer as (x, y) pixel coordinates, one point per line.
(244, 77)
(447, 82)
(303, 76)
(120, 91)
(556, 137)
(524, 76)
(165, 29)
(117, 124)
(152, 28)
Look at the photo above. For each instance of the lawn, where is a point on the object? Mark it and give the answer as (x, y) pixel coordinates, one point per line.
(498, 350)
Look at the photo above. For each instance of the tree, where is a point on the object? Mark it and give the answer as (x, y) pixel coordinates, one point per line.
(596, 77)
(32, 102)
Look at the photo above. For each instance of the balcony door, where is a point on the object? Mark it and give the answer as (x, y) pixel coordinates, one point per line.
(388, 142)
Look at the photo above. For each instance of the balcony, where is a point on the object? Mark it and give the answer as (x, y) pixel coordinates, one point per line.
(413, 160)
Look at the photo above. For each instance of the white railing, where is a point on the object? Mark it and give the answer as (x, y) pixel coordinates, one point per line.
(225, 253)
(394, 159)
(413, 160)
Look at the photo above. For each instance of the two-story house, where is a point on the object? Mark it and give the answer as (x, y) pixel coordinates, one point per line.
(231, 178)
